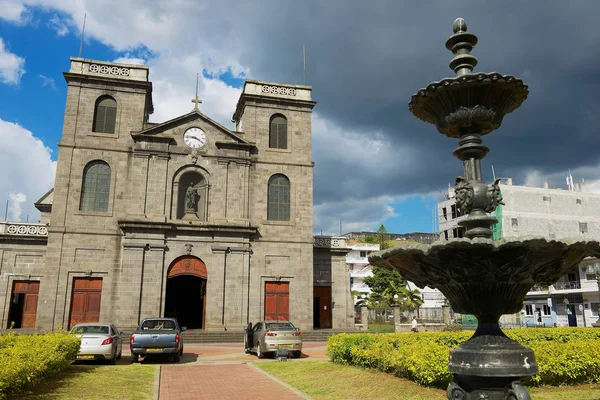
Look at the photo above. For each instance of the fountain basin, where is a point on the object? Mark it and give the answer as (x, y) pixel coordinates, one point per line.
(472, 103)
(483, 276)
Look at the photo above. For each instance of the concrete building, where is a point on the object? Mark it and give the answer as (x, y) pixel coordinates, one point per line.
(555, 214)
(359, 267)
(184, 218)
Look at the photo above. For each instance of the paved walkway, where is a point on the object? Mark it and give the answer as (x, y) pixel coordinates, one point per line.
(233, 381)
(224, 371)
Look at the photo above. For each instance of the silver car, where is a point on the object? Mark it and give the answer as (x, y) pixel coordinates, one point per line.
(98, 342)
(266, 337)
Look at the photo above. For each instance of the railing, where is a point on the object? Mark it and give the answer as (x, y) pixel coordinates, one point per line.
(567, 285)
(23, 229)
(357, 260)
(539, 288)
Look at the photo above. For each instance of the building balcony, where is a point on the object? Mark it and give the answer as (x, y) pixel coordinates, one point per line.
(23, 229)
(357, 260)
(567, 285)
(331, 242)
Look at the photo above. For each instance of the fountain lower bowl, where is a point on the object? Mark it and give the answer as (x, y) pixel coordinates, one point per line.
(483, 276)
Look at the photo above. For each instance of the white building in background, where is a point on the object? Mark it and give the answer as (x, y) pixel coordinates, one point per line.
(359, 267)
(555, 214)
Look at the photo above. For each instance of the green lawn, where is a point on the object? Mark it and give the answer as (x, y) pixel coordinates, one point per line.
(381, 328)
(324, 380)
(97, 382)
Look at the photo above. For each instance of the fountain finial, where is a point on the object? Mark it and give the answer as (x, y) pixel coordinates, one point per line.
(461, 44)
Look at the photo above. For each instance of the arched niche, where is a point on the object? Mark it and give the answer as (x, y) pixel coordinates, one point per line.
(190, 181)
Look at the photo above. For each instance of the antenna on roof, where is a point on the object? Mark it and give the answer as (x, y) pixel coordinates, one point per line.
(493, 173)
(82, 33)
(570, 184)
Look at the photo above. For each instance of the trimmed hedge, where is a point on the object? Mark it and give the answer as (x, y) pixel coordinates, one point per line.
(25, 360)
(565, 356)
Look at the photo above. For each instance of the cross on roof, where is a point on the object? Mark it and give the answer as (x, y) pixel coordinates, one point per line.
(196, 100)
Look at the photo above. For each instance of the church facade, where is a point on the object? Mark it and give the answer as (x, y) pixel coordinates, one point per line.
(184, 218)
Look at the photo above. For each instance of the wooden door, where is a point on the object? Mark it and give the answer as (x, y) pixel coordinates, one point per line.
(277, 301)
(323, 294)
(29, 291)
(85, 300)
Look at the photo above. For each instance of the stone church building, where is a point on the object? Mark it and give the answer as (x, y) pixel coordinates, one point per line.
(184, 218)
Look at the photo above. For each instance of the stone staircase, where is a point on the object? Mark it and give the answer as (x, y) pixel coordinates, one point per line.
(199, 336)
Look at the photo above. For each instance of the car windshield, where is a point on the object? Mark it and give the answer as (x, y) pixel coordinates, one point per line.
(90, 329)
(158, 325)
(280, 326)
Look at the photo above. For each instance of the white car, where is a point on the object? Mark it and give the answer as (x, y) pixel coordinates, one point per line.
(98, 342)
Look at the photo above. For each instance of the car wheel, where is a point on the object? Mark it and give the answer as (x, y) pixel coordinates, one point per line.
(135, 358)
(259, 352)
(177, 357)
(297, 354)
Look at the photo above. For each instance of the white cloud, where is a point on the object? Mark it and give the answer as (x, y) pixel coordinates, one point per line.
(587, 175)
(47, 82)
(12, 67)
(60, 27)
(12, 11)
(27, 171)
(354, 215)
(130, 60)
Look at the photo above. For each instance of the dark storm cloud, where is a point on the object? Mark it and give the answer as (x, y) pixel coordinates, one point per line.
(366, 59)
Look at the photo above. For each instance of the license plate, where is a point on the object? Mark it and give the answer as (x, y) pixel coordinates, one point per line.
(284, 346)
(154, 350)
(84, 357)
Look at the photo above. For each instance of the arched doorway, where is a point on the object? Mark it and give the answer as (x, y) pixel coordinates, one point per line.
(186, 292)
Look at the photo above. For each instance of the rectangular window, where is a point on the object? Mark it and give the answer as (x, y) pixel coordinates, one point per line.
(528, 309)
(515, 222)
(446, 235)
(454, 215)
(578, 201)
(594, 309)
(547, 198)
(583, 228)
(445, 213)
(363, 253)
(547, 310)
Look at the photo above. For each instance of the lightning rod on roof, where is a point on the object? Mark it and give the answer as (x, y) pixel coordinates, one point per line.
(304, 59)
(82, 33)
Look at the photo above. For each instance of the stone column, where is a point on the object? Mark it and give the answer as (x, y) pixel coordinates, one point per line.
(446, 313)
(396, 318)
(364, 316)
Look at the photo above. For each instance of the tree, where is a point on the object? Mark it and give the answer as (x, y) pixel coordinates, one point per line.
(382, 237)
(383, 282)
(412, 300)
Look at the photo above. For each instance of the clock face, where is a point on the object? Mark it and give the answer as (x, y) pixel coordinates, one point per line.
(194, 138)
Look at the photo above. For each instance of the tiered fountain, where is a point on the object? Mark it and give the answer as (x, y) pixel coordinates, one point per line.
(478, 275)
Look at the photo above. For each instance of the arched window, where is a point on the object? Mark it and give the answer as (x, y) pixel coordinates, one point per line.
(96, 187)
(278, 132)
(278, 208)
(105, 115)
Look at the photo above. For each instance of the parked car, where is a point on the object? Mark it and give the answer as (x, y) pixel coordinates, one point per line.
(98, 341)
(266, 337)
(157, 336)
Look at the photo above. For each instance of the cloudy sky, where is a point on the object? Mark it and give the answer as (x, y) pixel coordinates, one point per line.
(375, 162)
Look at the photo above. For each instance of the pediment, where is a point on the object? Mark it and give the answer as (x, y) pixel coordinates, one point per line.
(170, 131)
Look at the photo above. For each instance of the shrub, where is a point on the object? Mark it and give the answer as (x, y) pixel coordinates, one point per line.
(565, 356)
(25, 360)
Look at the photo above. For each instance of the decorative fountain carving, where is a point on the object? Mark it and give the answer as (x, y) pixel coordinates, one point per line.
(478, 275)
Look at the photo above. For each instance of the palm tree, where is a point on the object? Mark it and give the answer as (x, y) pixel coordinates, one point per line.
(412, 300)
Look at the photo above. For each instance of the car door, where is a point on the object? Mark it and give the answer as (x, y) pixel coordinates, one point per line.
(118, 339)
(256, 335)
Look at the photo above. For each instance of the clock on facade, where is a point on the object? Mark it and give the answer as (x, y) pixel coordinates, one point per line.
(194, 138)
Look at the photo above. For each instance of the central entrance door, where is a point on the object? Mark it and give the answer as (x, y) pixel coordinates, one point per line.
(186, 292)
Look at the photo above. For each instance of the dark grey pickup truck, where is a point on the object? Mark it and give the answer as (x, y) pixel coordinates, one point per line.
(157, 336)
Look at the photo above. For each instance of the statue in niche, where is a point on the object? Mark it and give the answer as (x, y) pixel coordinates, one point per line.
(191, 199)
